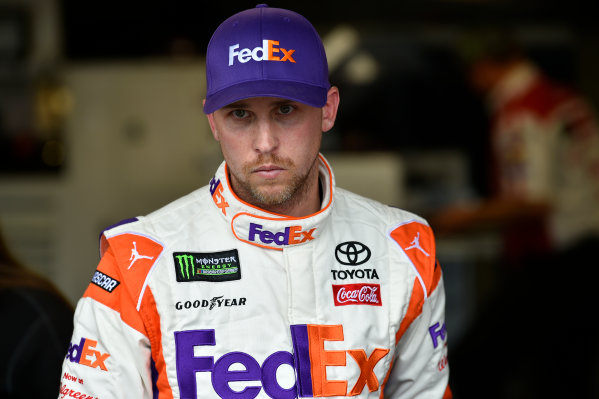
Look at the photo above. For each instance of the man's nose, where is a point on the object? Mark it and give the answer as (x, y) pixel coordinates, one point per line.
(266, 139)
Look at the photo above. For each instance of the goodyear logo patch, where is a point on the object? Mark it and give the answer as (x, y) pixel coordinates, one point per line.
(209, 266)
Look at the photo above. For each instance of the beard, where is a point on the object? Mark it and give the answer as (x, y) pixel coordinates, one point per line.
(266, 195)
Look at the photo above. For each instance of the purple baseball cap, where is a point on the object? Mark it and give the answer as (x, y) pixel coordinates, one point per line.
(266, 52)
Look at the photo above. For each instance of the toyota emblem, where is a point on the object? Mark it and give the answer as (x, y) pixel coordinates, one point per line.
(352, 253)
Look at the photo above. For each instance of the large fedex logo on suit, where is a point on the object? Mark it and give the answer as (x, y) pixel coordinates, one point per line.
(309, 360)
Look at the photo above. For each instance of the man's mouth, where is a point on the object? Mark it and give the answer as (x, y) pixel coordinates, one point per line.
(268, 171)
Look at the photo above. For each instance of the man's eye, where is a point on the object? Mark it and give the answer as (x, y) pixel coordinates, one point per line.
(240, 113)
(285, 109)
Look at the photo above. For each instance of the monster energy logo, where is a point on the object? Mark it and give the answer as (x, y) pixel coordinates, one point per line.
(185, 264)
(213, 266)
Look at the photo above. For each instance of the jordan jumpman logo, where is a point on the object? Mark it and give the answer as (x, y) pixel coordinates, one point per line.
(416, 244)
(135, 256)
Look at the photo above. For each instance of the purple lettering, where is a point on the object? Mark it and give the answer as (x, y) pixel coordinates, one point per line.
(222, 375)
(282, 238)
(437, 332)
(213, 185)
(266, 236)
(74, 353)
(187, 363)
(269, 376)
(254, 229)
(301, 353)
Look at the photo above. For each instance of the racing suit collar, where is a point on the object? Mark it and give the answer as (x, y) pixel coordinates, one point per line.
(265, 229)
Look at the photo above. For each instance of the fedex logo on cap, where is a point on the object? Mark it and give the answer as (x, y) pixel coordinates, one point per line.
(291, 235)
(270, 51)
(309, 361)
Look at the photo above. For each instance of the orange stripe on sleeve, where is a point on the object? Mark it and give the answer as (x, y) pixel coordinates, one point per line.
(108, 288)
(436, 277)
(448, 394)
(414, 310)
(98, 290)
(120, 278)
(418, 243)
(135, 254)
(120, 282)
(151, 320)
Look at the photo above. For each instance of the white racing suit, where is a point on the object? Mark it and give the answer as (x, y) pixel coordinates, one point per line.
(211, 297)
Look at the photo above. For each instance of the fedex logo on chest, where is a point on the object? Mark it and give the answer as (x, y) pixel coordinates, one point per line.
(309, 360)
(270, 51)
(291, 235)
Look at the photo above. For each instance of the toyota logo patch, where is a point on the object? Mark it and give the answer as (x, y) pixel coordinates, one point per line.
(352, 253)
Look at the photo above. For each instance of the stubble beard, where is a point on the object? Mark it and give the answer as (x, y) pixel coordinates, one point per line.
(263, 196)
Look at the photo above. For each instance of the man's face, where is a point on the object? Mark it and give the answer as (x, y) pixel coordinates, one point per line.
(271, 146)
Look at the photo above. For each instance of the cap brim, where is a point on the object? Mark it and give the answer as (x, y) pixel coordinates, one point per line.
(314, 96)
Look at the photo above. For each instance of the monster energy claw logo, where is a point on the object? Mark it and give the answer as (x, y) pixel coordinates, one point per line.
(211, 266)
(186, 265)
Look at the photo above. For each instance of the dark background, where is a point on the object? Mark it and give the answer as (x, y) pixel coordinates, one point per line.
(421, 97)
(110, 29)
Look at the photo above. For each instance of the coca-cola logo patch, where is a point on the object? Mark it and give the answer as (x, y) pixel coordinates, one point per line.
(357, 294)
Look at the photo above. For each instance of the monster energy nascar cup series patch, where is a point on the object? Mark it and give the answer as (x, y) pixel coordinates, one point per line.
(209, 266)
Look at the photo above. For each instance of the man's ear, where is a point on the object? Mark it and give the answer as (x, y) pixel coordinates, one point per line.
(211, 123)
(329, 111)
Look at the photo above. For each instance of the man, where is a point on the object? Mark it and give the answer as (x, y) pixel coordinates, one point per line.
(270, 281)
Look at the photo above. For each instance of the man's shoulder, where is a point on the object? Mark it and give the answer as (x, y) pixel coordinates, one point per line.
(167, 218)
(363, 208)
(192, 202)
(408, 235)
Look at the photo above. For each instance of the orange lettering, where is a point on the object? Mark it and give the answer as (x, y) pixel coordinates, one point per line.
(322, 358)
(308, 235)
(272, 50)
(287, 56)
(219, 200)
(367, 375)
(87, 351)
(294, 234)
(100, 358)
